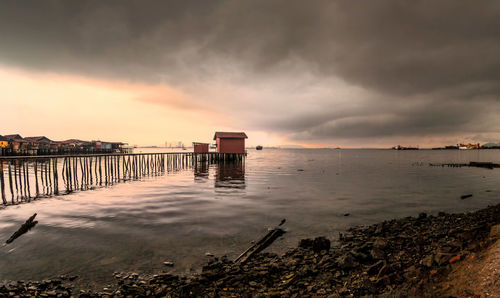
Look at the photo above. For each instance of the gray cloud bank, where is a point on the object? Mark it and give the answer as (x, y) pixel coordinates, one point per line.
(316, 70)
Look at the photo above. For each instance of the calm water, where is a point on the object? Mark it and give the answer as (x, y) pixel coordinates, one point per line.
(135, 226)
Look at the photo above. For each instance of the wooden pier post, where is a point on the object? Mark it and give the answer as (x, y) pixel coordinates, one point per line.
(10, 182)
(100, 171)
(49, 173)
(35, 169)
(2, 182)
(118, 168)
(28, 180)
(56, 178)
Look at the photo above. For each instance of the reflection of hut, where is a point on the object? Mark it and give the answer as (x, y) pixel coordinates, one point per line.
(230, 142)
(230, 175)
(200, 147)
(201, 171)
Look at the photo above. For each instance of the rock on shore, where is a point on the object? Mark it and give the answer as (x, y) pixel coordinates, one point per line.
(404, 257)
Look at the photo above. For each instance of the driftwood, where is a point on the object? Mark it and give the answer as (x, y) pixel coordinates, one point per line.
(465, 196)
(262, 244)
(28, 225)
(477, 164)
(488, 165)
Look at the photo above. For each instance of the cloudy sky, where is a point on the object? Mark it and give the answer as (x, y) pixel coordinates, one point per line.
(317, 73)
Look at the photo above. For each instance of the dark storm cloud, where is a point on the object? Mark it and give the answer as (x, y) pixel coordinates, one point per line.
(427, 67)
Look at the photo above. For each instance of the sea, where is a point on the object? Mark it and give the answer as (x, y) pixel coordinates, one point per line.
(186, 216)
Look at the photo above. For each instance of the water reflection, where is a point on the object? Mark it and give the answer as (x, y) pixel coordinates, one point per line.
(201, 171)
(93, 234)
(230, 175)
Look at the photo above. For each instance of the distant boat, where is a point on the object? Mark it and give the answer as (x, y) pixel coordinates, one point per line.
(258, 147)
(399, 147)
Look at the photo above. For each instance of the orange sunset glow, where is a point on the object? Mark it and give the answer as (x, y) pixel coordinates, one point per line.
(79, 107)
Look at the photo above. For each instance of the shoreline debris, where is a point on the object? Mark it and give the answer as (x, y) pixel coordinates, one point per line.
(28, 225)
(476, 164)
(262, 244)
(405, 257)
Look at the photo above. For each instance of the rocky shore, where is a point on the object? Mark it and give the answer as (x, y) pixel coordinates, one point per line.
(404, 257)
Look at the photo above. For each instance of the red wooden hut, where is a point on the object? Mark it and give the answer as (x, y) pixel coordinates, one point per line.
(230, 142)
(200, 147)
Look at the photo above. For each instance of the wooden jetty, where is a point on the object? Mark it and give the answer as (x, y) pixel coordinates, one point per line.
(23, 178)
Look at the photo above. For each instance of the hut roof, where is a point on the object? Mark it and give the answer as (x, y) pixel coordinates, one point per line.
(199, 143)
(3, 138)
(13, 137)
(230, 135)
(39, 139)
(74, 141)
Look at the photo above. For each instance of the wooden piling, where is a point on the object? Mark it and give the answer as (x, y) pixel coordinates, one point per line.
(10, 182)
(2, 182)
(35, 169)
(22, 172)
(49, 174)
(56, 178)
(28, 180)
(117, 167)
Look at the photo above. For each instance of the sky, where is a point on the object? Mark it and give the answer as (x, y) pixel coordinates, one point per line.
(288, 72)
